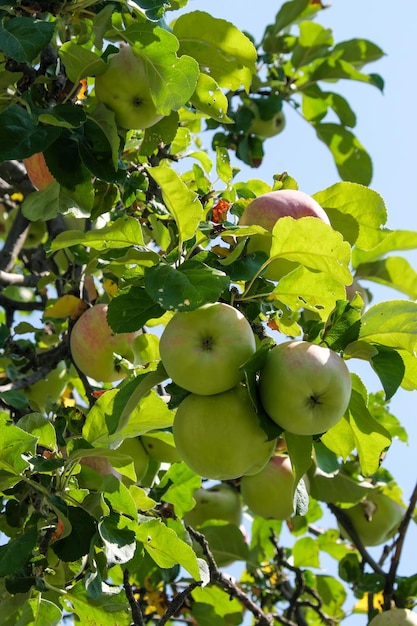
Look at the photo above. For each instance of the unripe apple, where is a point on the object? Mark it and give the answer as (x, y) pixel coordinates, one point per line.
(270, 492)
(161, 447)
(219, 502)
(38, 171)
(219, 436)
(305, 388)
(95, 347)
(376, 518)
(266, 210)
(124, 88)
(133, 447)
(93, 470)
(203, 350)
(48, 389)
(395, 617)
(265, 128)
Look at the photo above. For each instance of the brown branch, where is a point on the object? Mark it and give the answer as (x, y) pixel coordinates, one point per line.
(134, 604)
(347, 525)
(395, 561)
(177, 602)
(227, 584)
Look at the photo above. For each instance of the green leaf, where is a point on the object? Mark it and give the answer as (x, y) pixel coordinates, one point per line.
(77, 543)
(110, 609)
(210, 100)
(118, 496)
(314, 244)
(20, 136)
(389, 241)
(336, 488)
(182, 482)
(39, 426)
(122, 233)
(333, 595)
(141, 410)
(356, 211)
(299, 450)
(172, 79)
(392, 324)
(352, 161)
(339, 439)
(395, 272)
(166, 548)
(119, 542)
(221, 603)
(371, 438)
(314, 41)
(17, 552)
(80, 62)
(38, 611)
(182, 203)
(131, 309)
(14, 443)
(219, 46)
(359, 52)
(409, 381)
(303, 288)
(226, 542)
(390, 368)
(305, 553)
(289, 12)
(343, 326)
(186, 288)
(223, 167)
(23, 38)
(332, 67)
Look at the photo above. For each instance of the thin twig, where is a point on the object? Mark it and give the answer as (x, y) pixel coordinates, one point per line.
(177, 602)
(134, 604)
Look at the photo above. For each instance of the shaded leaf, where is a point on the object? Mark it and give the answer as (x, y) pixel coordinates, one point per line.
(131, 309)
(352, 161)
(23, 38)
(17, 552)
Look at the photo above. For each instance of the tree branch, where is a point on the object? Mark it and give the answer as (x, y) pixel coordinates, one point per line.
(221, 580)
(134, 604)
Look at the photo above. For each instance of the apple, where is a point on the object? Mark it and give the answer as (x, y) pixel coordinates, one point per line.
(270, 492)
(37, 170)
(375, 518)
(262, 127)
(133, 447)
(219, 436)
(94, 346)
(161, 447)
(305, 388)
(354, 290)
(49, 389)
(266, 210)
(124, 88)
(93, 470)
(219, 502)
(202, 350)
(395, 617)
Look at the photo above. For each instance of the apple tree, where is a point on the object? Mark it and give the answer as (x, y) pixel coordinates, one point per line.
(166, 457)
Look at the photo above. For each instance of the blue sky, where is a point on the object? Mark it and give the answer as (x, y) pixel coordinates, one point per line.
(387, 127)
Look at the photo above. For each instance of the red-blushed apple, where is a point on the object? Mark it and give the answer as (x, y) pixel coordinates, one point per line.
(376, 518)
(266, 210)
(161, 447)
(305, 388)
(202, 350)
(395, 617)
(219, 502)
(96, 349)
(124, 88)
(38, 171)
(270, 492)
(219, 436)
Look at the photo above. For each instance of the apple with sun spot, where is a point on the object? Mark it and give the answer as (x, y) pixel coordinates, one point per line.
(124, 88)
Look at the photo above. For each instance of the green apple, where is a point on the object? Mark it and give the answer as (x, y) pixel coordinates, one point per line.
(266, 210)
(93, 470)
(375, 518)
(160, 446)
(37, 170)
(202, 350)
(265, 127)
(49, 389)
(219, 502)
(219, 436)
(270, 492)
(305, 388)
(395, 617)
(133, 447)
(95, 348)
(124, 88)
